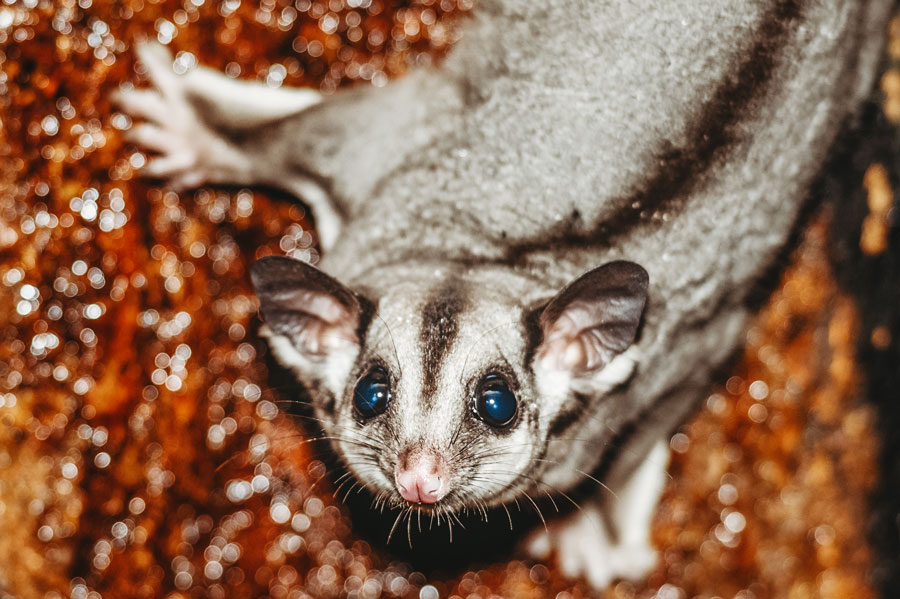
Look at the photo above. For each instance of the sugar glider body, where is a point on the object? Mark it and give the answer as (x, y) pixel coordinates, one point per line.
(537, 252)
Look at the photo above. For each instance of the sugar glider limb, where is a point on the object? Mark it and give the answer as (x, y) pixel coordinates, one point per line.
(536, 253)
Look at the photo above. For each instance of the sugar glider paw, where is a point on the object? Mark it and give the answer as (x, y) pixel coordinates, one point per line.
(187, 153)
(584, 549)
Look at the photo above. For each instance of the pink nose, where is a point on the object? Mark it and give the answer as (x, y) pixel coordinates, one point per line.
(420, 481)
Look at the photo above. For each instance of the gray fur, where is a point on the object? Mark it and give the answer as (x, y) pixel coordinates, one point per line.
(558, 136)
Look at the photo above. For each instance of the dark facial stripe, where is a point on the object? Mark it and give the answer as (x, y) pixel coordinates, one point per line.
(609, 451)
(533, 336)
(439, 328)
(325, 398)
(568, 417)
(364, 357)
(711, 136)
(562, 421)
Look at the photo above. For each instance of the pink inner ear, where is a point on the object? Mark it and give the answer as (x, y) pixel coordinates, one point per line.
(327, 325)
(318, 338)
(562, 348)
(324, 307)
(594, 318)
(574, 340)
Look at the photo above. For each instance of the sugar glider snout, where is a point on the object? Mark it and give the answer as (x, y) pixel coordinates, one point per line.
(420, 477)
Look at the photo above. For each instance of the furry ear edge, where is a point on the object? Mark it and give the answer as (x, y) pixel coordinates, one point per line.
(593, 319)
(313, 310)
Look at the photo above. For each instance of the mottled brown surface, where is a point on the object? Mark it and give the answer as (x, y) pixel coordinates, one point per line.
(141, 452)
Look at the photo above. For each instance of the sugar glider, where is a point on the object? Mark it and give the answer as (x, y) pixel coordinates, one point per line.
(535, 253)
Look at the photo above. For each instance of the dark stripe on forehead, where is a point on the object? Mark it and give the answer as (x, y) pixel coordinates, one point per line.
(366, 318)
(710, 136)
(440, 324)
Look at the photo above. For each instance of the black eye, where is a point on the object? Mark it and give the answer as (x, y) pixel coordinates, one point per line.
(372, 394)
(495, 403)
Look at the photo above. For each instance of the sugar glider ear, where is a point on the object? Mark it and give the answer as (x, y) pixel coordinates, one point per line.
(593, 319)
(314, 311)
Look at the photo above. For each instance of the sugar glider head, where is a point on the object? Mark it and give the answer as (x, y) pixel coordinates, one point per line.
(441, 390)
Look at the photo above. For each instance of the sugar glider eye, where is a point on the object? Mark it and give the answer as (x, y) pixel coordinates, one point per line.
(495, 403)
(372, 394)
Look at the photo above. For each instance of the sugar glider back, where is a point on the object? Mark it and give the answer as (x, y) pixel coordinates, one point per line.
(535, 253)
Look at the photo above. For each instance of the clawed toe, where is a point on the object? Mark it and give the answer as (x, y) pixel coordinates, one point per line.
(157, 59)
(152, 138)
(539, 545)
(168, 165)
(170, 127)
(147, 104)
